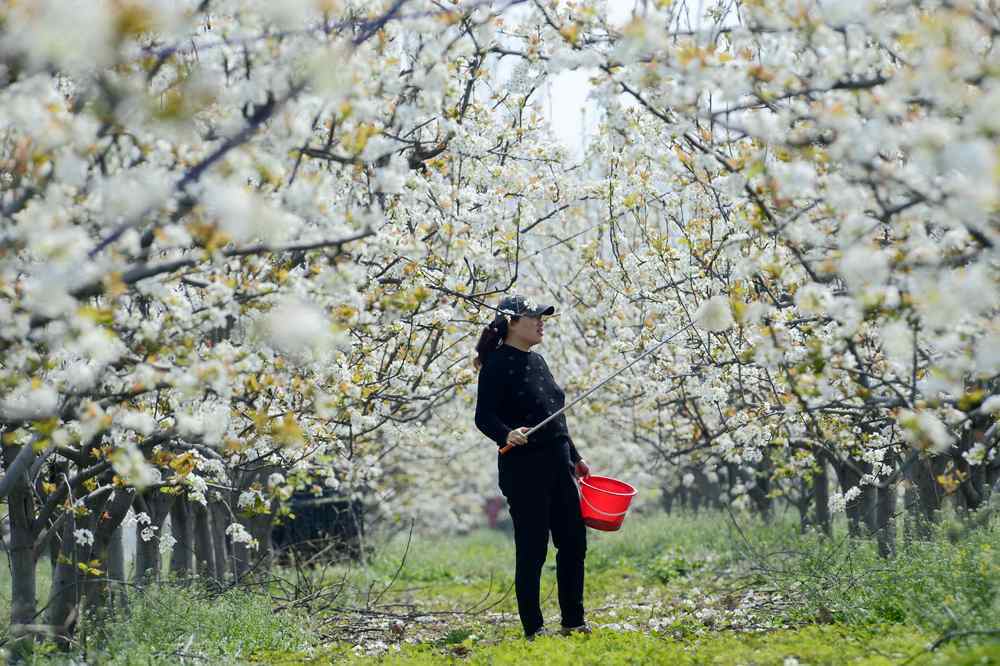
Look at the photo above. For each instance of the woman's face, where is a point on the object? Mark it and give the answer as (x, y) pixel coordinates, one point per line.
(526, 330)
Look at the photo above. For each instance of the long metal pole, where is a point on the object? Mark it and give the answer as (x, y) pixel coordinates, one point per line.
(607, 379)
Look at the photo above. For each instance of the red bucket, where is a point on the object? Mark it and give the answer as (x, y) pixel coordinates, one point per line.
(604, 502)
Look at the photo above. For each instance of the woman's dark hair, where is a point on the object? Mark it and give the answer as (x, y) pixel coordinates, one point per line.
(490, 339)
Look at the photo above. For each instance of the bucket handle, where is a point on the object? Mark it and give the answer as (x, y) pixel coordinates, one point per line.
(594, 508)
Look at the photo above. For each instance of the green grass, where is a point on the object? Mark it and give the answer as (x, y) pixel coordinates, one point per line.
(809, 645)
(814, 645)
(649, 550)
(168, 624)
(676, 589)
(174, 622)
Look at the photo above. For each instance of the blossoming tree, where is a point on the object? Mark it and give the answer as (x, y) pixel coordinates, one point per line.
(827, 176)
(233, 263)
(247, 248)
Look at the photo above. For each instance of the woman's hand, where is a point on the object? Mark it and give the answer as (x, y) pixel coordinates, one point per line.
(518, 436)
(582, 468)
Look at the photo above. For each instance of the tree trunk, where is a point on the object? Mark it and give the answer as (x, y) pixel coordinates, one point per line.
(923, 475)
(696, 497)
(23, 591)
(666, 498)
(911, 520)
(74, 572)
(885, 520)
(220, 520)
(848, 478)
(993, 479)
(182, 529)
(973, 489)
(203, 548)
(260, 528)
(255, 560)
(116, 567)
(821, 494)
(243, 557)
(64, 596)
(868, 503)
(760, 490)
(73, 575)
(98, 591)
(802, 505)
(156, 505)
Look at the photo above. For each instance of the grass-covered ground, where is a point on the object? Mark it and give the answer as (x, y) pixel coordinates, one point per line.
(666, 589)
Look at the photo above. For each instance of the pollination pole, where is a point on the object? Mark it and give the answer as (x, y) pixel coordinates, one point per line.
(604, 381)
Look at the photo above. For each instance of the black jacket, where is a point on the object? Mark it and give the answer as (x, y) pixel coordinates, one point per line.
(516, 389)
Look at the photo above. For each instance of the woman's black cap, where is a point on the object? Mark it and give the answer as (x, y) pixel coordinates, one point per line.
(519, 306)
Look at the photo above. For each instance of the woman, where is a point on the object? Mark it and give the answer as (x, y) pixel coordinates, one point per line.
(516, 392)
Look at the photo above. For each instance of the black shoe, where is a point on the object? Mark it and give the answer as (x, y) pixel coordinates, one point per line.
(582, 629)
(541, 631)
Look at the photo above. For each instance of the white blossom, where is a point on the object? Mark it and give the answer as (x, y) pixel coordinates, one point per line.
(142, 422)
(83, 537)
(166, 545)
(29, 402)
(239, 534)
(714, 314)
(839, 500)
(129, 463)
(991, 405)
(923, 430)
(298, 327)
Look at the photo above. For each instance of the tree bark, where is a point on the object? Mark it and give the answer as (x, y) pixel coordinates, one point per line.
(220, 520)
(821, 494)
(666, 498)
(868, 504)
(16, 467)
(182, 529)
(260, 528)
(802, 504)
(204, 550)
(993, 484)
(23, 590)
(885, 520)
(116, 567)
(64, 596)
(74, 560)
(923, 475)
(910, 511)
(695, 493)
(98, 591)
(760, 490)
(56, 470)
(147, 553)
(254, 561)
(847, 478)
(973, 489)
(242, 557)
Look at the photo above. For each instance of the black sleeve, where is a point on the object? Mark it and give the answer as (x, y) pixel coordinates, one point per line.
(488, 405)
(574, 455)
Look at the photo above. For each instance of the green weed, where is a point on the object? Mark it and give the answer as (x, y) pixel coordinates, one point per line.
(675, 589)
(168, 624)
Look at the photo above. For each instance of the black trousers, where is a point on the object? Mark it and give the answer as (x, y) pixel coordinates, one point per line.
(543, 498)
